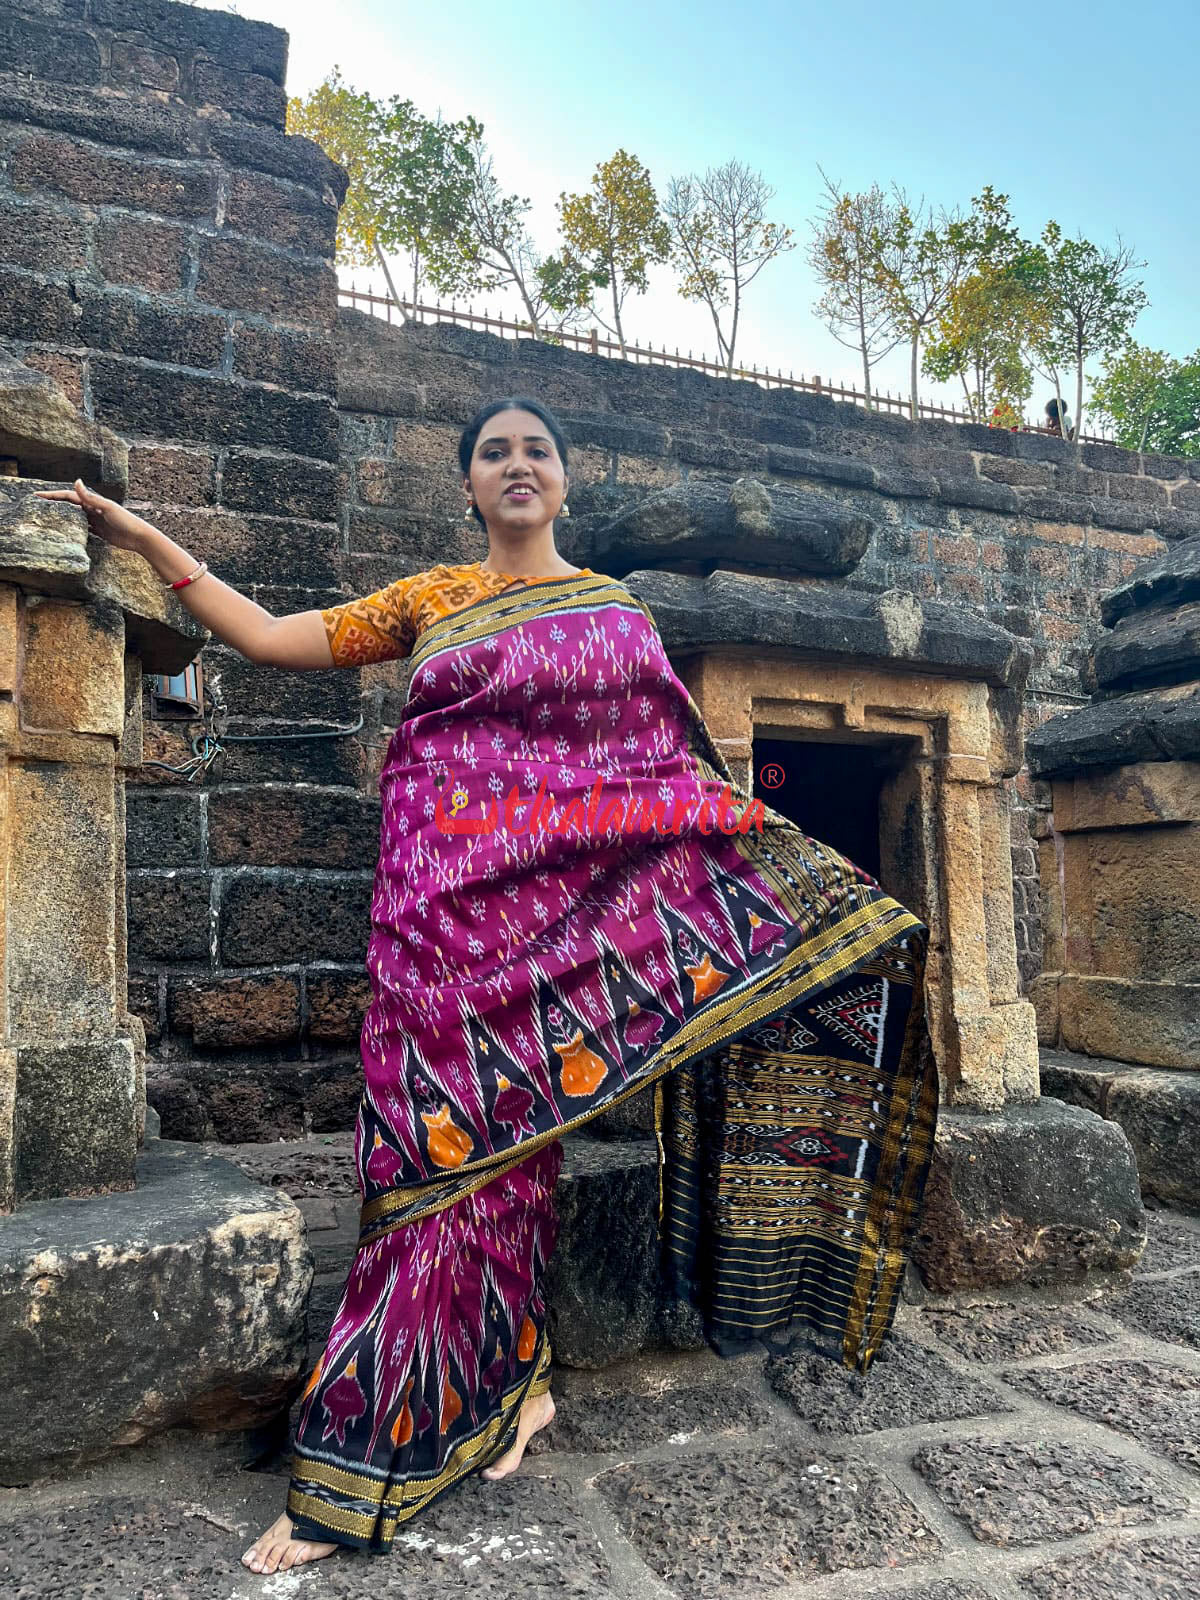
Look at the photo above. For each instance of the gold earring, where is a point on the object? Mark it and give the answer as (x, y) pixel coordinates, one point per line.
(468, 514)
(564, 510)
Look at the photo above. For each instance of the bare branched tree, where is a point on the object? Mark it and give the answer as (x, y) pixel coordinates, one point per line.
(853, 305)
(721, 240)
(504, 256)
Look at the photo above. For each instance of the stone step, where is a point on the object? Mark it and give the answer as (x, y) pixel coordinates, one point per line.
(1158, 1108)
(179, 1302)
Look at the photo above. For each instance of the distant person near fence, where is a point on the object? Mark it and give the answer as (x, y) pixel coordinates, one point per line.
(1057, 420)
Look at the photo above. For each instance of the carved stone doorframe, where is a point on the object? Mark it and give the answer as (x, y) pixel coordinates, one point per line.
(944, 833)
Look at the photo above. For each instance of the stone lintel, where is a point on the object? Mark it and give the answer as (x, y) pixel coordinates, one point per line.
(743, 696)
(1140, 795)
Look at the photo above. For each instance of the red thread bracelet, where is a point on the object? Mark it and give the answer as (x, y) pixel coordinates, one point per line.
(198, 572)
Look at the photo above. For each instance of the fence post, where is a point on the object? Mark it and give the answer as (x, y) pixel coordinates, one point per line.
(817, 382)
(595, 343)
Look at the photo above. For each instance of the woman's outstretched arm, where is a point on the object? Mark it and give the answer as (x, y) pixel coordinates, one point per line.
(297, 641)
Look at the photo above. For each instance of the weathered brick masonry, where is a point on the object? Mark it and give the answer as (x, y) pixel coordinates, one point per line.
(165, 252)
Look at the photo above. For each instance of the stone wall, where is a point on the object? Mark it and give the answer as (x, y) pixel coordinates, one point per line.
(166, 255)
(1004, 524)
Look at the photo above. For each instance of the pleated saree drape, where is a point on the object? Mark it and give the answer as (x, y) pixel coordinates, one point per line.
(559, 922)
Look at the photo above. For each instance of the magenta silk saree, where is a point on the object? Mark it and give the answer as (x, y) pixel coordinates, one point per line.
(558, 922)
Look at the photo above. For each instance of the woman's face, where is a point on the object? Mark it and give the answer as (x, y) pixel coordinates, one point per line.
(517, 479)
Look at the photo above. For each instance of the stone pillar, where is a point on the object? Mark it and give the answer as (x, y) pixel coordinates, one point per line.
(137, 1290)
(1119, 1002)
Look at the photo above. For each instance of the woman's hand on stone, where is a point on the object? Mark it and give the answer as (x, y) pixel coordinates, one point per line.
(106, 519)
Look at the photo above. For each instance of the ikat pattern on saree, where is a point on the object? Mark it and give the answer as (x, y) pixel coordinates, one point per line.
(525, 977)
(600, 922)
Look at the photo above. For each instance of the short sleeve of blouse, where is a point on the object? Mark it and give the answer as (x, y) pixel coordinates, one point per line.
(377, 627)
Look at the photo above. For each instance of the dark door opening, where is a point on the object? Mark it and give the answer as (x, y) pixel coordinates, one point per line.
(831, 791)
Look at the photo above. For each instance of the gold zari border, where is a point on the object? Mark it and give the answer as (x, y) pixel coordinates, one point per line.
(411, 1496)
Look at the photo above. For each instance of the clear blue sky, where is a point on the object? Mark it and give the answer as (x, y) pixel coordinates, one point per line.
(1084, 113)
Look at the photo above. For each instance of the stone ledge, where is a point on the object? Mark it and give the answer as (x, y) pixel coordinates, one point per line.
(894, 628)
(180, 1302)
(1150, 725)
(1152, 1023)
(1042, 1195)
(776, 525)
(1171, 579)
(48, 437)
(1158, 1110)
(45, 548)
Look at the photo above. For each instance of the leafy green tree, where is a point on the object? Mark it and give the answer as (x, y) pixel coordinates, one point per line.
(921, 259)
(1090, 300)
(1150, 399)
(721, 240)
(409, 181)
(981, 337)
(614, 233)
(554, 292)
(853, 305)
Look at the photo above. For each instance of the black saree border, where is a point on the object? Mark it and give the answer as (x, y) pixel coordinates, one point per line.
(397, 1502)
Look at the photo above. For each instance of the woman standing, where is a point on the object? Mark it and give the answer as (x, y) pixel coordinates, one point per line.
(574, 901)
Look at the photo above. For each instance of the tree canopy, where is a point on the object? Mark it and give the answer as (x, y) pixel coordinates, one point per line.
(721, 240)
(1150, 400)
(614, 233)
(977, 304)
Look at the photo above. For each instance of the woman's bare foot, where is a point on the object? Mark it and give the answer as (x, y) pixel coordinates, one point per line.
(276, 1550)
(537, 1413)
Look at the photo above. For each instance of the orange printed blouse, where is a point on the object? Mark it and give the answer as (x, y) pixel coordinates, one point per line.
(384, 626)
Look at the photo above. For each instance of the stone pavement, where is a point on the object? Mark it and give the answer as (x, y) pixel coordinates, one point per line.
(1022, 1451)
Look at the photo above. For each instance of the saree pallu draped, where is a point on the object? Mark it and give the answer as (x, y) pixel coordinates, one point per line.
(560, 920)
